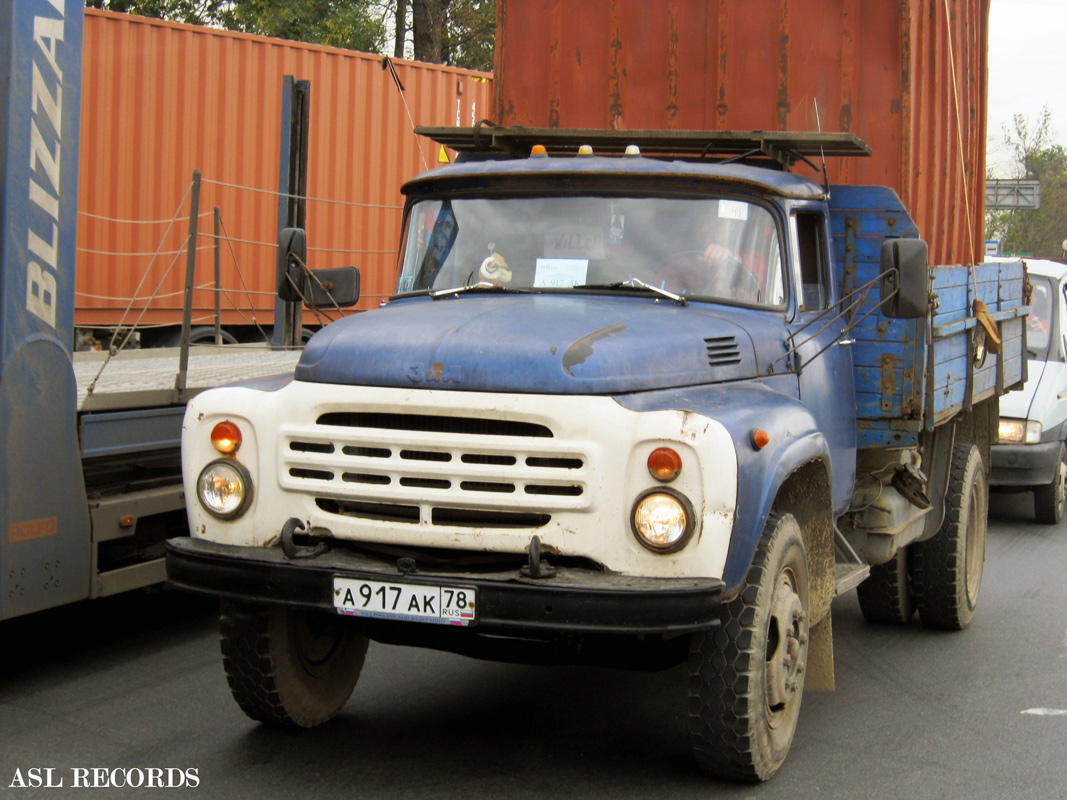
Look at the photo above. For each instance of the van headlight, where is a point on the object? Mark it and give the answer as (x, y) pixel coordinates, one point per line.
(224, 488)
(663, 520)
(1019, 431)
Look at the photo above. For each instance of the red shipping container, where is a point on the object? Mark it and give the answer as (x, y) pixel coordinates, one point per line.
(161, 99)
(907, 76)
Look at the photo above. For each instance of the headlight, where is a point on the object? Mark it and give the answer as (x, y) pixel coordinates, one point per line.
(663, 520)
(1017, 431)
(224, 488)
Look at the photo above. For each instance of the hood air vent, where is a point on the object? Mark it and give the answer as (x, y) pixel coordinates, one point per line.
(722, 351)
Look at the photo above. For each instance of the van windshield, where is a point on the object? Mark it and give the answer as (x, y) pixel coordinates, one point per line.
(1039, 321)
(715, 249)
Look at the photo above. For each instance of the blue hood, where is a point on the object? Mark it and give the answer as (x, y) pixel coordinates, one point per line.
(531, 343)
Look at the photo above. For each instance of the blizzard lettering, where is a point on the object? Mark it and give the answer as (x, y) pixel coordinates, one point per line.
(46, 131)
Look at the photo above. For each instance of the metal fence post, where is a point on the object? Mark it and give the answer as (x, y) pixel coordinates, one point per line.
(218, 281)
(190, 275)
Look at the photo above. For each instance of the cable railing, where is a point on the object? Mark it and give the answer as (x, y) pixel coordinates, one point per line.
(237, 296)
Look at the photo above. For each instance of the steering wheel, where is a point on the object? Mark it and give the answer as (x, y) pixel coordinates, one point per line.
(684, 272)
(688, 272)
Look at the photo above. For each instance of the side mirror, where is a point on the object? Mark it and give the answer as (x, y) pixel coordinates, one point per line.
(333, 288)
(292, 255)
(905, 270)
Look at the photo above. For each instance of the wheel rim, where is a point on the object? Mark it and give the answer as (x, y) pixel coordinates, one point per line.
(787, 639)
(317, 640)
(975, 543)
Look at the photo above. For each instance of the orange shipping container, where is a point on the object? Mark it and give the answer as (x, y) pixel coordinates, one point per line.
(907, 76)
(161, 99)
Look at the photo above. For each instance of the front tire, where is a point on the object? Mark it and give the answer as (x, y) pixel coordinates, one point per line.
(746, 677)
(1049, 500)
(948, 568)
(289, 668)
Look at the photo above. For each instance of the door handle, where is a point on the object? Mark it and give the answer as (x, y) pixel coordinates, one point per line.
(846, 342)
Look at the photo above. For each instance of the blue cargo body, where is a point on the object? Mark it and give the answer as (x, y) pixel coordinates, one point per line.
(907, 381)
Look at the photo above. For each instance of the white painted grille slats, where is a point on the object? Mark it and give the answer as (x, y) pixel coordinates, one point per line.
(438, 470)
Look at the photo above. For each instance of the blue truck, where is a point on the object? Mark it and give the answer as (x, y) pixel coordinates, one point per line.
(640, 399)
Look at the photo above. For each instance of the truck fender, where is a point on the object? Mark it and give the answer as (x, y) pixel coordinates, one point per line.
(761, 477)
(794, 443)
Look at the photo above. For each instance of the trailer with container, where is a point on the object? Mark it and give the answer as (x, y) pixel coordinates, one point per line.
(90, 474)
(161, 99)
(642, 398)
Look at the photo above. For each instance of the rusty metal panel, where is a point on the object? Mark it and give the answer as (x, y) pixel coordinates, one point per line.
(882, 70)
(161, 99)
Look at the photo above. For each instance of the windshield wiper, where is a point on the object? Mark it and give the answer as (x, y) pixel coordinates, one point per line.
(480, 286)
(636, 283)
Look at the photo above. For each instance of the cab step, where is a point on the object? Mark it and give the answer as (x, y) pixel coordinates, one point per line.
(850, 571)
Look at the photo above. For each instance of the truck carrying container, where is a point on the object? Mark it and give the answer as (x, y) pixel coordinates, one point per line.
(642, 398)
(906, 77)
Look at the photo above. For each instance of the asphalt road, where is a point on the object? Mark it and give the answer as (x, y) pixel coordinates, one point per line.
(137, 682)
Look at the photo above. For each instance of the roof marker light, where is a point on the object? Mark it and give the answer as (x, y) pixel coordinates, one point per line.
(585, 150)
(632, 150)
(538, 151)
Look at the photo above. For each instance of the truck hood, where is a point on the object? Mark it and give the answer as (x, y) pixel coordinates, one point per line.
(532, 343)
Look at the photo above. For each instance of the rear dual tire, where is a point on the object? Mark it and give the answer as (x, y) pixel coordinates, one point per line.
(886, 596)
(947, 573)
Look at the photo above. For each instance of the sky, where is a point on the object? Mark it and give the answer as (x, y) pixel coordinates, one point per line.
(1027, 69)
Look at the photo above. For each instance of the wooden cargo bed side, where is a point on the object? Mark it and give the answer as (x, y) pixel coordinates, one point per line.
(901, 384)
(960, 377)
(887, 354)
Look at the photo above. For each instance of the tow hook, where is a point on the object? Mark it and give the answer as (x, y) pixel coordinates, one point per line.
(536, 568)
(291, 550)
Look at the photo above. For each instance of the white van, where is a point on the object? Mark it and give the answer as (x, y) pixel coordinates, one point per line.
(1031, 454)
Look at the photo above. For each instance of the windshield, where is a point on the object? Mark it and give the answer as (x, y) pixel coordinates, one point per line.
(708, 248)
(1039, 320)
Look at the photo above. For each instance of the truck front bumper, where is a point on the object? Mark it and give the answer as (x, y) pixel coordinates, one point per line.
(574, 600)
(1024, 464)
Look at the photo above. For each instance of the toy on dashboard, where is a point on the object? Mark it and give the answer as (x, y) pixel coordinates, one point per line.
(494, 270)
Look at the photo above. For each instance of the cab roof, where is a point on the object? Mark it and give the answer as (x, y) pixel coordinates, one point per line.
(603, 170)
(758, 160)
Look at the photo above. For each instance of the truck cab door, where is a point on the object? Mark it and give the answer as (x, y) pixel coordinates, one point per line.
(823, 348)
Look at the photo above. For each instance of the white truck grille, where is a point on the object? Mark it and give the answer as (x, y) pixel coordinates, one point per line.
(435, 469)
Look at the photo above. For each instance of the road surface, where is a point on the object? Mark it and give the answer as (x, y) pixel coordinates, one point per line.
(135, 683)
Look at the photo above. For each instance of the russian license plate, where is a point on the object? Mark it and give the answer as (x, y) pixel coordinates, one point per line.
(446, 605)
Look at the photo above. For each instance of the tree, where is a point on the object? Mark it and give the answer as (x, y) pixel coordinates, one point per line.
(459, 33)
(1036, 156)
(471, 34)
(352, 24)
(338, 23)
(193, 12)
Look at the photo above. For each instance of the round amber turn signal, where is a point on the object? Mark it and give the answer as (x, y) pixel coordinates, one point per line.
(226, 437)
(664, 464)
(760, 438)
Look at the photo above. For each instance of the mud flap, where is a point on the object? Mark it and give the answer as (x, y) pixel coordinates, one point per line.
(820, 677)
